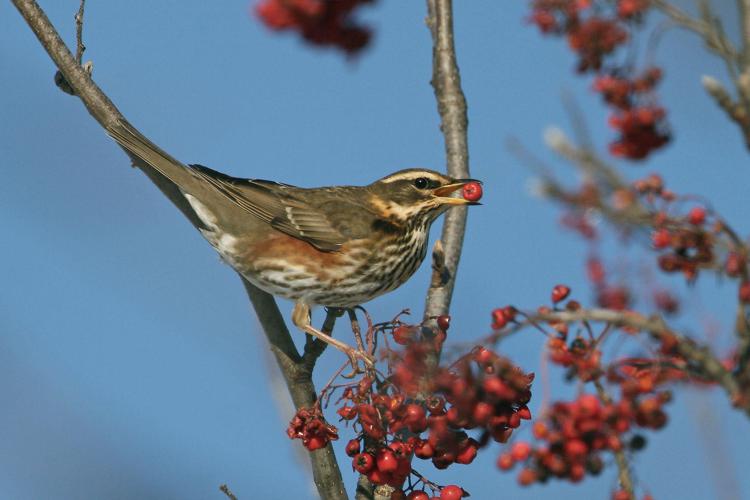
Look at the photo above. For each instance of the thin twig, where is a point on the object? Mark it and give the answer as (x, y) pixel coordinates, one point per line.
(715, 40)
(623, 468)
(80, 47)
(743, 8)
(225, 489)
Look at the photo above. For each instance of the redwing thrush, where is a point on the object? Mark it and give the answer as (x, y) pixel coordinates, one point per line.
(336, 246)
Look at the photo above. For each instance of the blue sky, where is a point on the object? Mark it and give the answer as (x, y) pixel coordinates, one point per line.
(130, 365)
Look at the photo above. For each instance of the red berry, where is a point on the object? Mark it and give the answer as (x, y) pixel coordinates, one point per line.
(577, 471)
(576, 449)
(560, 292)
(482, 355)
(436, 405)
(451, 492)
(482, 412)
(509, 312)
(745, 292)
(403, 334)
(352, 447)
(414, 411)
(697, 216)
(472, 191)
(588, 404)
(444, 322)
(347, 412)
(524, 412)
(418, 495)
(468, 452)
(424, 450)
(386, 461)
(498, 319)
(620, 495)
(399, 448)
(377, 477)
(735, 264)
(505, 461)
(520, 451)
(315, 443)
(363, 463)
(660, 238)
(526, 477)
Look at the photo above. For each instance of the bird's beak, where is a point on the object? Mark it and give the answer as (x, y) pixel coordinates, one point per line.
(443, 193)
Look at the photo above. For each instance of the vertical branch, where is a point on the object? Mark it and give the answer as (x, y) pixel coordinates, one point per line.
(623, 468)
(296, 371)
(80, 47)
(743, 8)
(451, 103)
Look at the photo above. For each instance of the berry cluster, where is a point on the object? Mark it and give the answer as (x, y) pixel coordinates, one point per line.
(592, 37)
(595, 37)
(580, 356)
(309, 425)
(642, 130)
(574, 434)
(686, 242)
(426, 410)
(319, 22)
(632, 9)
(609, 295)
(640, 123)
(689, 242)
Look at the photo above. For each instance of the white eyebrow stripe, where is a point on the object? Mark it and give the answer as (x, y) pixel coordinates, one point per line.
(410, 176)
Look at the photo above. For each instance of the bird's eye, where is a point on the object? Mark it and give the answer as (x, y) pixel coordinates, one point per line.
(421, 183)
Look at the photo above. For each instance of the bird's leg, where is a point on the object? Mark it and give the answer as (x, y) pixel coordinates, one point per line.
(355, 329)
(301, 319)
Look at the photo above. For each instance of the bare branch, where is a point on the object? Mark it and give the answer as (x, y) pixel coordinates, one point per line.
(225, 489)
(80, 47)
(451, 103)
(298, 376)
(623, 467)
(743, 9)
(699, 356)
(714, 38)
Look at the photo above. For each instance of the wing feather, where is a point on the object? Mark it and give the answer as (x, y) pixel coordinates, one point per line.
(272, 203)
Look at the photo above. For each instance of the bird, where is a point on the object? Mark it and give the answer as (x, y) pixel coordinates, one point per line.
(335, 246)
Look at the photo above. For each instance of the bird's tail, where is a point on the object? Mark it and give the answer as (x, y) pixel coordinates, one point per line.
(147, 155)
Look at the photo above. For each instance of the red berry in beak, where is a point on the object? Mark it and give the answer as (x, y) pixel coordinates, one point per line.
(472, 191)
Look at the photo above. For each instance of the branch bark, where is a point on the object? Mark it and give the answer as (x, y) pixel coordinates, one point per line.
(297, 374)
(743, 8)
(451, 104)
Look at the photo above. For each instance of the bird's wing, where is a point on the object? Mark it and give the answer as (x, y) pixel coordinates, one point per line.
(272, 203)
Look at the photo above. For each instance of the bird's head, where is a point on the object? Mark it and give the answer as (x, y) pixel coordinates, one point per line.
(417, 195)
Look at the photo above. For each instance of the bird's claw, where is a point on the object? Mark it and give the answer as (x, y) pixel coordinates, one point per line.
(354, 358)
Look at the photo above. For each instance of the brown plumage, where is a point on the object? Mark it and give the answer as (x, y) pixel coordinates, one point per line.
(335, 246)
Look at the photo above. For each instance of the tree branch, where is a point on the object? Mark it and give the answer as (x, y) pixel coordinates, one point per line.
(700, 356)
(623, 468)
(743, 8)
(451, 104)
(297, 375)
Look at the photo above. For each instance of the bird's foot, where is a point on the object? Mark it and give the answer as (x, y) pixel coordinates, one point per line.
(355, 356)
(301, 319)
